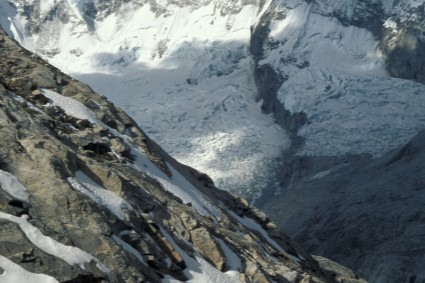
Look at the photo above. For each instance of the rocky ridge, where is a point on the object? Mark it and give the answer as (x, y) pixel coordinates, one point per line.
(100, 196)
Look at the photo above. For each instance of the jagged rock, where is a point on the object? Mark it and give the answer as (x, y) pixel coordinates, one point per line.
(93, 104)
(119, 147)
(208, 247)
(82, 124)
(23, 84)
(344, 274)
(100, 130)
(88, 141)
(43, 77)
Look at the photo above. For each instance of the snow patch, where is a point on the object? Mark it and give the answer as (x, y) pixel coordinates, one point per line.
(14, 273)
(254, 225)
(177, 184)
(29, 104)
(71, 255)
(198, 269)
(129, 249)
(391, 24)
(71, 106)
(13, 187)
(100, 195)
(233, 262)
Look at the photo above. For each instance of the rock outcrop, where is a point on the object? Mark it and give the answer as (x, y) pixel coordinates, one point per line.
(86, 196)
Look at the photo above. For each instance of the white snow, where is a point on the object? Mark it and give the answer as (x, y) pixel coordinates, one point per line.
(198, 269)
(254, 225)
(100, 195)
(13, 187)
(177, 184)
(71, 255)
(325, 173)
(233, 262)
(391, 24)
(29, 104)
(46, 5)
(181, 186)
(129, 249)
(71, 106)
(14, 273)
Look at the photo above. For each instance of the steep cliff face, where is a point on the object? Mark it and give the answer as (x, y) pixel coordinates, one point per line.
(86, 196)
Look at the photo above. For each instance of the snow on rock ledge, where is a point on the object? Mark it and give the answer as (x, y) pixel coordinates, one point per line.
(13, 273)
(72, 255)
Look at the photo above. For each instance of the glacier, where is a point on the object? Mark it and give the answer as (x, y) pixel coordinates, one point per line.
(182, 72)
(336, 75)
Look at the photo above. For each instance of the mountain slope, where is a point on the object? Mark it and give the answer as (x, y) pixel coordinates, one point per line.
(86, 196)
(181, 68)
(332, 73)
(367, 215)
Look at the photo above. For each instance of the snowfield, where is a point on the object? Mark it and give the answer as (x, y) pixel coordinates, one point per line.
(199, 270)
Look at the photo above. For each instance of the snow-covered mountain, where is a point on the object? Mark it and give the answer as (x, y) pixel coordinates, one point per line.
(334, 72)
(181, 68)
(86, 196)
(343, 79)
